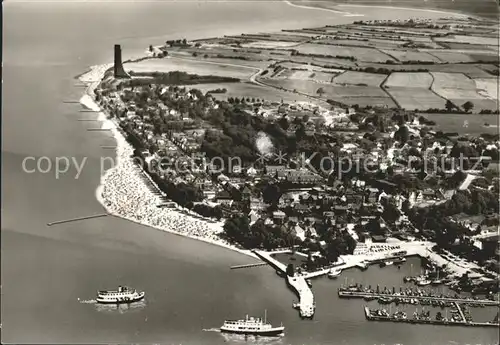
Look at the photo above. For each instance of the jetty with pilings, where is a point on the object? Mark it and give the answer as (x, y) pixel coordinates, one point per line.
(249, 265)
(77, 219)
(297, 283)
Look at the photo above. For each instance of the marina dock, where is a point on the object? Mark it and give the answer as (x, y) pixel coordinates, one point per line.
(297, 283)
(390, 318)
(374, 295)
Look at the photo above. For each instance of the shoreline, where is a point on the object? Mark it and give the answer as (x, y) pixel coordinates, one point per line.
(145, 212)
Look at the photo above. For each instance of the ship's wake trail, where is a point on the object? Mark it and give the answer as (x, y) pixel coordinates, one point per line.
(211, 330)
(87, 301)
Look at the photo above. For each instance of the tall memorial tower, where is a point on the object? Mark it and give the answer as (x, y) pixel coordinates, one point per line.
(118, 66)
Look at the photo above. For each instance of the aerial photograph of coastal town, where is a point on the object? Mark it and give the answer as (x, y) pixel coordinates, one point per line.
(276, 172)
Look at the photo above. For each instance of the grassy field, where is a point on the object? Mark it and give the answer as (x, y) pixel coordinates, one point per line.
(472, 124)
(364, 42)
(460, 89)
(452, 81)
(269, 44)
(361, 95)
(252, 91)
(493, 41)
(488, 87)
(359, 78)
(191, 66)
(410, 80)
(416, 98)
(361, 54)
(407, 55)
(451, 57)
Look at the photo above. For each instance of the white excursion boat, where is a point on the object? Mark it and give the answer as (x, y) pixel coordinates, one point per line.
(122, 295)
(252, 326)
(334, 273)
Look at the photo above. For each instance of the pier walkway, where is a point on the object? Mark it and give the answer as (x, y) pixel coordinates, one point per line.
(297, 282)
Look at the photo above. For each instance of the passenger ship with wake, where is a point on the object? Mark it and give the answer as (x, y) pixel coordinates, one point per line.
(252, 326)
(122, 295)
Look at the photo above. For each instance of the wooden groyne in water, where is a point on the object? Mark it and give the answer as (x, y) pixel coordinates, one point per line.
(249, 265)
(76, 219)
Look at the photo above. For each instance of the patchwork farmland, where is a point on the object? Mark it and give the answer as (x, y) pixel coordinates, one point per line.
(413, 65)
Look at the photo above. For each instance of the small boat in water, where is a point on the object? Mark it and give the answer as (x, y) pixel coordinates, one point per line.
(122, 295)
(252, 326)
(389, 263)
(334, 273)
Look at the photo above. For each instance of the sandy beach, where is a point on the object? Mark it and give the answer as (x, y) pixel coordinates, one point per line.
(124, 193)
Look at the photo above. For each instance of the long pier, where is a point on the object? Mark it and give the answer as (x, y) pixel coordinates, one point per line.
(297, 283)
(76, 219)
(369, 316)
(362, 294)
(249, 265)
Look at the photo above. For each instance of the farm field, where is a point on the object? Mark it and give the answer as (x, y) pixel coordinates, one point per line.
(468, 46)
(410, 80)
(291, 65)
(488, 87)
(252, 91)
(306, 75)
(459, 89)
(493, 41)
(473, 124)
(407, 55)
(412, 91)
(361, 54)
(452, 57)
(358, 78)
(269, 44)
(192, 66)
(365, 42)
(485, 57)
(416, 98)
(361, 95)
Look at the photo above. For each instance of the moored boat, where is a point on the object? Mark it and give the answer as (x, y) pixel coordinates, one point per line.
(334, 273)
(124, 294)
(251, 326)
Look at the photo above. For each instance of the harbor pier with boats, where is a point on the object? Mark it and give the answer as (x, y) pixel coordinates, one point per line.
(424, 317)
(411, 296)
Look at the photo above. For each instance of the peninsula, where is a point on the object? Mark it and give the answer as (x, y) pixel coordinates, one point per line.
(331, 142)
